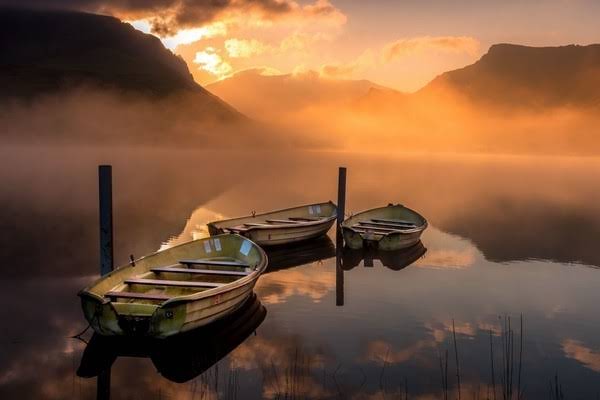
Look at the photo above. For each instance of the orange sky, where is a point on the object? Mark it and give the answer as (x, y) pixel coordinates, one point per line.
(400, 44)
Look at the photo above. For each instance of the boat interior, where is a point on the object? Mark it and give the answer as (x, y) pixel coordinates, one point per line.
(297, 216)
(269, 223)
(383, 226)
(188, 276)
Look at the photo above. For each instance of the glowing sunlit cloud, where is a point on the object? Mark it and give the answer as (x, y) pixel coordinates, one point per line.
(448, 44)
(141, 25)
(577, 351)
(244, 48)
(212, 63)
(183, 36)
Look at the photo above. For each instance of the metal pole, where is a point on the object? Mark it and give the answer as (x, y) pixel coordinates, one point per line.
(106, 218)
(341, 204)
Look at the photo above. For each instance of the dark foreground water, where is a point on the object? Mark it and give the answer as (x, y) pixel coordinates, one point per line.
(512, 240)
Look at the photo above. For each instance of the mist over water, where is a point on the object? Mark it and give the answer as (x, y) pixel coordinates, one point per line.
(509, 235)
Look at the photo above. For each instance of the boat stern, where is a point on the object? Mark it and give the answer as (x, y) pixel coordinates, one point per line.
(131, 319)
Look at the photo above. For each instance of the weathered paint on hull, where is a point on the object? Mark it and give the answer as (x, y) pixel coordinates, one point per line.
(391, 241)
(105, 319)
(278, 234)
(183, 312)
(273, 237)
(396, 241)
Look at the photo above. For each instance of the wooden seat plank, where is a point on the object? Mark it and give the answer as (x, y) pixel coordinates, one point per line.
(305, 218)
(220, 263)
(200, 271)
(235, 229)
(160, 282)
(139, 296)
(393, 221)
(377, 232)
(284, 221)
(375, 228)
(386, 225)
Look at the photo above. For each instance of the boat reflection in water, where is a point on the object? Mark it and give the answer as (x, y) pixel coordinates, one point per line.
(394, 260)
(347, 259)
(179, 358)
(283, 257)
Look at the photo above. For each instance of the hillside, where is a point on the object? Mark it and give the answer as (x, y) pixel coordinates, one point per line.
(512, 75)
(44, 52)
(77, 78)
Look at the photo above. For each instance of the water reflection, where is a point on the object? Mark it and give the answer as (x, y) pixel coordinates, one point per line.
(178, 359)
(509, 236)
(306, 252)
(394, 260)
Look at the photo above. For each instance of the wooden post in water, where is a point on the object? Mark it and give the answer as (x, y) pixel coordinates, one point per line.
(106, 218)
(339, 271)
(341, 203)
(103, 385)
(341, 208)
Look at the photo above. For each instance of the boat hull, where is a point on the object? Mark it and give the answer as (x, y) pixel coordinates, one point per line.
(180, 312)
(396, 240)
(257, 228)
(279, 236)
(106, 319)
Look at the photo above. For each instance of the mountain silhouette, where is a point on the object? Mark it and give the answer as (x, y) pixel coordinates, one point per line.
(512, 75)
(48, 51)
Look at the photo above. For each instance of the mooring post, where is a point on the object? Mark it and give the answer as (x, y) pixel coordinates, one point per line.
(106, 218)
(339, 272)
(103, 384)
(341, 208)
(341, 204)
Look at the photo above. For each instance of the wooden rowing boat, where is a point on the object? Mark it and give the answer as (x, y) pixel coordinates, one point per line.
(178, 358)
(388, 228)
(282, 226)
(175, 290)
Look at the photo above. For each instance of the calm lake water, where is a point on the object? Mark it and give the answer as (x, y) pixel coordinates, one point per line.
(510, 239)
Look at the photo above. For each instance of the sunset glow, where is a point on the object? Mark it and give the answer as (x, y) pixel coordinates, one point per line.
(399, 45)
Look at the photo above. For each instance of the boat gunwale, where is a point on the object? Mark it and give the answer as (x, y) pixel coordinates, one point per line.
(253, 276)
(279, 226)
(324, 221)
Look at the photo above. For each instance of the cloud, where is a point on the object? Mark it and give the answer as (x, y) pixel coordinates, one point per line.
(415, 45)
(167, 17)
(245, 48)
(210, 61)
(372, 58)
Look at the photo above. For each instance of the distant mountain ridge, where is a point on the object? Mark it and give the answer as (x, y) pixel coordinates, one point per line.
(258, 95)
(514, 75)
